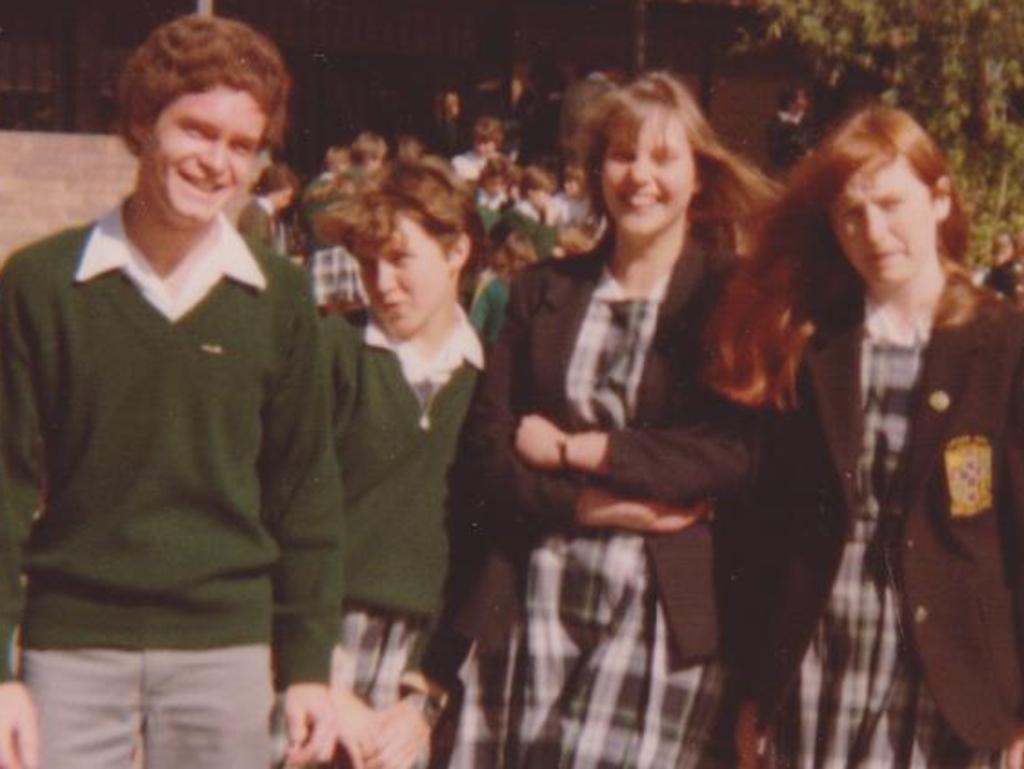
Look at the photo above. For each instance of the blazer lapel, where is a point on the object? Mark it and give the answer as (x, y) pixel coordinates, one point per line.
(673, 335)
(834, 364)
(556, 326)
(944, 381)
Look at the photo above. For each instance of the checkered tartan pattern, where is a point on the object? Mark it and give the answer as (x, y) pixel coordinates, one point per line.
(334, 273)
(861, 700)
(607, 361)
(372, 653)
(481, 732)
(596, 686)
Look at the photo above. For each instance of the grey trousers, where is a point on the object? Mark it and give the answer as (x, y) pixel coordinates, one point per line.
(185, 709)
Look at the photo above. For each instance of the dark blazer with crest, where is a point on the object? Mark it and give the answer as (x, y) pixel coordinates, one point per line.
(960, 552)
(682, 445)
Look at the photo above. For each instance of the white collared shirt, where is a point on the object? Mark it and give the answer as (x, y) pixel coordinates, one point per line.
(880, 326)
(226, 256)
(462, 345)
(525, 207)
(610, 290)
(265, 204)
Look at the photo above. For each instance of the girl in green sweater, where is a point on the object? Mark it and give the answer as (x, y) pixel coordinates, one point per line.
(403, 374)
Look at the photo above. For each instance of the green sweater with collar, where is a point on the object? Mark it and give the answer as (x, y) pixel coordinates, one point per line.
(396, 460)
(189, 493)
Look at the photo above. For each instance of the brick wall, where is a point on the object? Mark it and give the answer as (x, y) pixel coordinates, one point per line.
(49, 181)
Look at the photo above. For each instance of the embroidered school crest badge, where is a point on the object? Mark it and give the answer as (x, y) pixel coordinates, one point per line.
(969, 474)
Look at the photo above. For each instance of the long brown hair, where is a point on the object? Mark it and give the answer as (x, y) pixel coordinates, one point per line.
(731, 189)
(798, 280)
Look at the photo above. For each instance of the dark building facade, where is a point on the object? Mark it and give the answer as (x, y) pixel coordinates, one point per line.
(386, 65)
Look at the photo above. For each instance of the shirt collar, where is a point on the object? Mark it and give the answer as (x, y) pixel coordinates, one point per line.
(463, 345)
(610, 290)
(108, 248)
(525, 207)
(879, 326)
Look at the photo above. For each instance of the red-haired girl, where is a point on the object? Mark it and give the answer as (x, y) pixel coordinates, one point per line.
(888, 611)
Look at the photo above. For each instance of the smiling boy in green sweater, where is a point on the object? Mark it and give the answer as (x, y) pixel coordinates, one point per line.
(167, 484)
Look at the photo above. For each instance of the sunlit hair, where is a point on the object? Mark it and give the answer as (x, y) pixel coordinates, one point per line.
(368, 146)
(574, 173)
(409, 148)
(276, 177)
(537, 178)
(488, 129)
(499, 168)
(731, 190)
(194, 54)
(798, 280)
(515, 252)
(338, 158)
(426, 191)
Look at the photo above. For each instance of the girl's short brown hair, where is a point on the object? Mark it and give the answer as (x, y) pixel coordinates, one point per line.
(276, 177)
(368, 146)
(514, 253)
(193, 54)
(426, 191)
(537, 178)
(488, 129)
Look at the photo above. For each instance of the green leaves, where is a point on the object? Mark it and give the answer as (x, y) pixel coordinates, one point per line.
(958, 65)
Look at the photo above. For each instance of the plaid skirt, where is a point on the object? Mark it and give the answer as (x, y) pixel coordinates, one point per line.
(862, 702)
(372, 652)
(586, 681)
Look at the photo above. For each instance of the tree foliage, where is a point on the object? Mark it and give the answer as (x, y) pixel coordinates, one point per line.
(957, 65)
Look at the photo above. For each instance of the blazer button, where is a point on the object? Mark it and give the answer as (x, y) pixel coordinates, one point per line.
(920, 614)
(910, 544)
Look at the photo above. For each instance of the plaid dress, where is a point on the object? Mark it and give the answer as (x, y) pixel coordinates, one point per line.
(588, 677)
(861, 700)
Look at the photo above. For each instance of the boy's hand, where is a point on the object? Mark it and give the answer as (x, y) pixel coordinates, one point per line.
(19, 728)
(310, 724)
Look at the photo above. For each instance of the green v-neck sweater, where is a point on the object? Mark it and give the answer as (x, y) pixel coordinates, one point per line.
(395, 459)
(189, 497)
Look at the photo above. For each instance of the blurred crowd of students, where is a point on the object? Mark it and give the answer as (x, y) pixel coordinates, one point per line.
(526, 213)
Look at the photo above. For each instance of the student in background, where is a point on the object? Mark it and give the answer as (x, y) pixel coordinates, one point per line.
(493, 191)
(368, 150)
(488, 137)
(490, 296)
(533, 212)
(263, 220)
